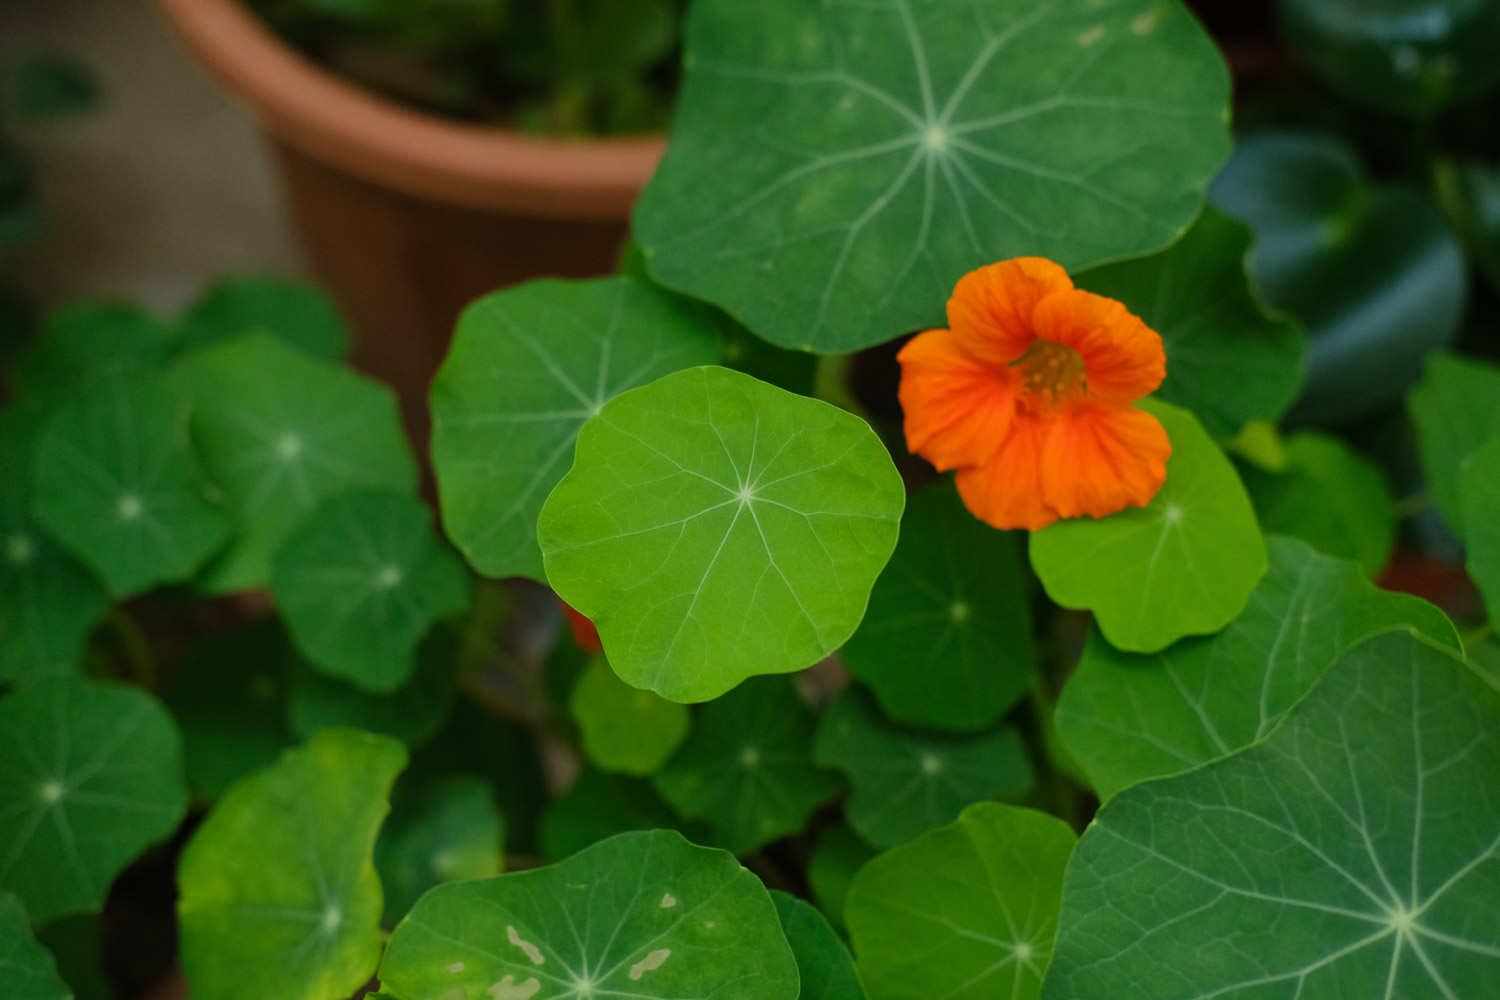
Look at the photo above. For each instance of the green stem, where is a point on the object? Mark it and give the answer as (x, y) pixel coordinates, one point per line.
(831, 383)
(1411, 506)
(1475, 636)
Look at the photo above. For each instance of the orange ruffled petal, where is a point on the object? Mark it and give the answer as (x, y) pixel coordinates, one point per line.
(957, 410)
(991, 309)
(1006, 492)
(1123, 358)
(1099, 459)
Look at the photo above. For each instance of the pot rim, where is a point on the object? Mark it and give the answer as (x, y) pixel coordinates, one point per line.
(355, 131)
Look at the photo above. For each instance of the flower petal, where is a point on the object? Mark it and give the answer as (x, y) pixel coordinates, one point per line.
(1006, 491)
(1123, 358)
(1099, 459)
(958, 410)
(991, 309)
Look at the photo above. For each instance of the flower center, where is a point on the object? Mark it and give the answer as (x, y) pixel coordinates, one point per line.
(1051, 369)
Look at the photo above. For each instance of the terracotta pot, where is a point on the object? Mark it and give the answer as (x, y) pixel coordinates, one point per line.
(408, 217)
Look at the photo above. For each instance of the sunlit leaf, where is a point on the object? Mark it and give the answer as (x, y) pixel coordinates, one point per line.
(624, 728)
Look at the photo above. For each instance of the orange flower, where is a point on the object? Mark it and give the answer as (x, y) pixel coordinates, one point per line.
(1028, 395)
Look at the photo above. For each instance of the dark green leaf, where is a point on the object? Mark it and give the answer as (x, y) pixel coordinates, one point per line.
(1455, 408)
(601, 805)
(46, 86)
(438, 833)
(1479, 492)
(823, 962)
(82, 340)
(412, 713)
(839, 854)
(27, 970)
(300, 314)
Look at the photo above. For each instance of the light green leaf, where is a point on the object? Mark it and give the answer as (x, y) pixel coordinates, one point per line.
(1455, 408)
(1479, 492)
(438, 832)
(27, 970)
(1182, 565)
(527, 367)
(1331, 497)
(947, 639)
(598, 806)
(823, 962)
(279, 432)
(1352, 853)
(117, 483)
(361, 580)
(644, 915)
(300, 314)
(82, 340)
(624, 728)
(1127, 717)
(715, 527)
(966, 911)
(278, 895)
(905, 781)
(1229, 360)
(412, 713)
(830, 869)
(747, 766)
(90, 776)
(834, 169)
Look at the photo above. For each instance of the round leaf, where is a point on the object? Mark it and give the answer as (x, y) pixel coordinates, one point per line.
(747, 766)
(905, 782)
(947, 639)
(1185, 564)
(438, 833)
(966, 911)
(27, 970)
(278, 895)
(835, 168)
(645, 915)
(527, 367)
(624, 728)
(1479, 491)
(831, 868)
(598, 806)
(300, 314)
(715, 527)
(90, 776)
(1352, 853)
(823, 962)
(82, 340)
(361, 581)
(412, 713)
(1127, 717)
(1456, 409)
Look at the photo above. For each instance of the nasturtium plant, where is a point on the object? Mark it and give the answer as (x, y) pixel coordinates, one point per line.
(946, 641)
(279, 893)
(302, 315)
(1126, 717)
(412, 713)
(645, 915)
(27, 969)
(1479, 493)
(831, 867)
(90, 776)
(438, 833)
(1455, 409)
(966, 911)
(823, 963)
(527, 367)
(82, 340)
(747, 766)
(361, 580)
(714, 527)
(622, 728)
(1183, 565)
(835, 168)
(598, 806)
(905, 781)
(1351, 852)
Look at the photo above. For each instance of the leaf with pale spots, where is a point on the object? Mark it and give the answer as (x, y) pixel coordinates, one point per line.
(27, 970)
(623, 728)
(826, 969)
(278, 895)
(966, 911)
(645, 915)
(715, 527)
(1353, 852)
(746, 768)
(90, 776)
(906, 781)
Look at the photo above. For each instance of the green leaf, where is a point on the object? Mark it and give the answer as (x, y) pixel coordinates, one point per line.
(438, 833)
(1455, 408)
(835, 169)
(947, 639)
(747, 766)
(598, 806)
(1182, 565)
(1331, 497)
(966, 911)
(1373, 272)
(715, 527)
(906, 782)
(361, 580)
(1229, 360)
(412, 713)
(302, 315)
(1349, 854)
(644, 915)
(90, 776)
(1127, 717)
(830, 869)
(117, 483)
(823, 962)
(47, 86)
(278, 895)
(1409, 57)
(75, 942)
(527, 367)
(624, 728)
(82, 340)
(229, 697)
(279, 432)
(27, 970)
(1479, 492)
(1470, 194)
